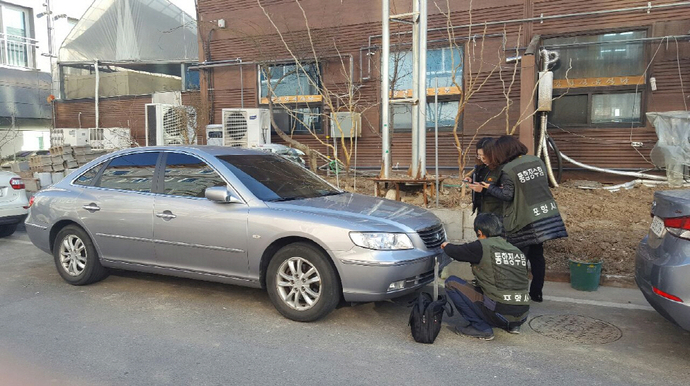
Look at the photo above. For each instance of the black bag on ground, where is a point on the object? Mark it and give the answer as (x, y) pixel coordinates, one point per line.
(426, 317)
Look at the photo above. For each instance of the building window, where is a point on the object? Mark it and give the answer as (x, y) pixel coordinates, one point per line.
(17, 48)
(606, 83)
(297, 102)
(289, 80)
(402, 116)
(298, 120)
(441, 65)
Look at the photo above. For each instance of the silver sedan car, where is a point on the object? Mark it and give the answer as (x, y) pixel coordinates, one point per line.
(662, 266)
(235, 216)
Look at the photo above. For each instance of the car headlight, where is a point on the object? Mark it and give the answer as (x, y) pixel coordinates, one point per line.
(381, 241)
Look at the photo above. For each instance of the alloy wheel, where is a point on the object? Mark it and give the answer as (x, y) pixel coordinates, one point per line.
(298, 283)
(73, 255)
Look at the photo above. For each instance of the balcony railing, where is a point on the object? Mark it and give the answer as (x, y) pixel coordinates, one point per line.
(17, 51)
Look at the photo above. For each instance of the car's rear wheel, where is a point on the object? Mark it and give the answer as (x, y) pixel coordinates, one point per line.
(302, 283)
(76, 258)
(7, 230)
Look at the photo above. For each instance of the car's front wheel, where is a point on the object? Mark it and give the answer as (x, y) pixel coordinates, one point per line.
(302, 283)
(76, 258)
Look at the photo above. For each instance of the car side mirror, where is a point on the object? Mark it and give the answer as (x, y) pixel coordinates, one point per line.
(221, 194)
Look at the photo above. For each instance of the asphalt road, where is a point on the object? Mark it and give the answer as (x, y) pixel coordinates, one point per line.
(140, 329)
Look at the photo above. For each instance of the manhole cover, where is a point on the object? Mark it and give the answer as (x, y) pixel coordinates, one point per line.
(576, 329)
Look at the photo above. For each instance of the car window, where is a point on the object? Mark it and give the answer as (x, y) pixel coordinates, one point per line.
(86, 179)
(274, 178)
(132, 172)
(188, 176)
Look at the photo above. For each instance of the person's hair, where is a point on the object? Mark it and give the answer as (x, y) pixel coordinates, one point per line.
(483, 142)
(503, 150)
(490, 224)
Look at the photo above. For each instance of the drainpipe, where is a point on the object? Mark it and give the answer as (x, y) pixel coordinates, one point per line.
(95, 65)
(385, 86)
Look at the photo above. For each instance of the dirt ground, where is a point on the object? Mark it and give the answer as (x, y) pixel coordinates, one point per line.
(602, 225)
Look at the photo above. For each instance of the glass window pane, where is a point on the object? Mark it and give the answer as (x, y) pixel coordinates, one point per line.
(130, 172)
(616, 108)
(401, 116)
(569, 109)
(298, 120)
(86, 179)
(273, 178)
(441, 64)
(604, 59)
(289, 80)
(186, 175)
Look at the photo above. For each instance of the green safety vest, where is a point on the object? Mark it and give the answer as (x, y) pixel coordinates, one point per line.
(533, 199)
(491, 204)
(502, 272)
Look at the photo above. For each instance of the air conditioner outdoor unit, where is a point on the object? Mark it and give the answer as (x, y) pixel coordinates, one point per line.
(73, 137)
(246, 127)
(170, 125)
(350, 125)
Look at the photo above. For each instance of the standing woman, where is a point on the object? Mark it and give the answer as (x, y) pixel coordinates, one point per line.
(482, 202)
(530, 213)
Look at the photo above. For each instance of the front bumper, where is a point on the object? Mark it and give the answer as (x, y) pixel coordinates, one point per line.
(367, 275)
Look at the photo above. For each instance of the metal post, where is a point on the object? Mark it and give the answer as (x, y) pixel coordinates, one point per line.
(421, 125)
(95, 65)
(436, 137)
(385, 86)
(414, 167)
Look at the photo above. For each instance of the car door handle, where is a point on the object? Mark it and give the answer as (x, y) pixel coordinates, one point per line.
(167, 215)
(91, 207)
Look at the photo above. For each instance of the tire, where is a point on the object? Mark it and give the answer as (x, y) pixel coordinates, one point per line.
(7, 230)
(290, 297)
(76, 258)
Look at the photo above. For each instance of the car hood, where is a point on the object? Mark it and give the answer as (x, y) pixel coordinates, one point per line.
(364, 211)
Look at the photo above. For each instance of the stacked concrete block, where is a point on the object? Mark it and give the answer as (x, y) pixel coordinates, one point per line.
(63, 159)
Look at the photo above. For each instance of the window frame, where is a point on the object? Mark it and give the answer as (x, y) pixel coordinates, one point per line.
(104, 165)
(442, 98)
(29, 40)
(605, 90)
(160, 176)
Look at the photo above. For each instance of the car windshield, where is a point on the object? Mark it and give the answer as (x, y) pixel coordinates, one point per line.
(274, 178)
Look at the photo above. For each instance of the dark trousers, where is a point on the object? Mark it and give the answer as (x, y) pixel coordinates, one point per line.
(535, 256)
(476, 307)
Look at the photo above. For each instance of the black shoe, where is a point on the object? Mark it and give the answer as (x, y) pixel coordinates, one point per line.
(536, 298)
(474, 333)
(514, 330)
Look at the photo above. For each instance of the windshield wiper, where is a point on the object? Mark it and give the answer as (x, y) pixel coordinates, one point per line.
(331, 194)
(286, 199)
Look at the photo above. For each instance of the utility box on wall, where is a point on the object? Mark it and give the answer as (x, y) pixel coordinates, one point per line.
(350, 125)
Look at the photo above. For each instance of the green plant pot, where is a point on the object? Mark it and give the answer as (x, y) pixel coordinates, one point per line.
(584, 276)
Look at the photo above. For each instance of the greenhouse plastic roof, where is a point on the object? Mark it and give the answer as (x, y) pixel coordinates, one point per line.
(122, 31)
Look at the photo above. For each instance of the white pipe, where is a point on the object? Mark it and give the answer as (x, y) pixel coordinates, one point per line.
(421, 125)
(414, 162)
(611, 171)
(547, 161)
(96, 97)
(385, 86)
(436, 138)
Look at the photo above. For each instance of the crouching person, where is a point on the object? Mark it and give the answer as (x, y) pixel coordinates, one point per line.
(500, 297)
